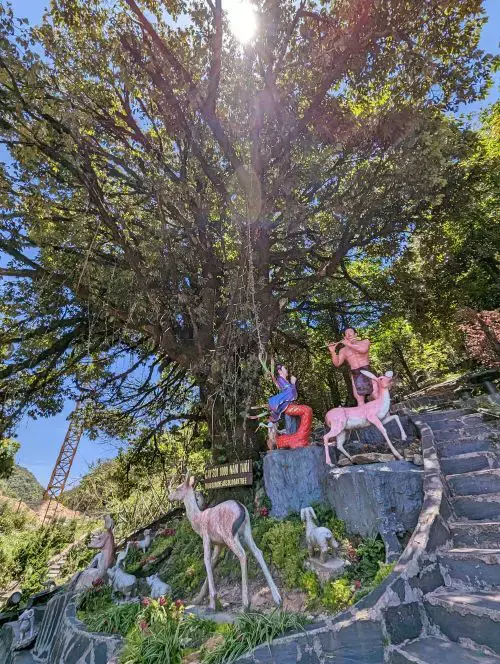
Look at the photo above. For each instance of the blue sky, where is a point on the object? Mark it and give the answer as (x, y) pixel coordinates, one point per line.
(41, 439)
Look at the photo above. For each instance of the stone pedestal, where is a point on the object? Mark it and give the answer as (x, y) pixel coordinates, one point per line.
(380, 498)
(329, 570)
(295, 479)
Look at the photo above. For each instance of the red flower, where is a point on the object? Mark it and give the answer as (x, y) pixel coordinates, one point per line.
(168, 532)
(146, 601)
(97, 583)
(162, 601)
(264, 511)
(179, 603)
(357, 584)
(143, 625)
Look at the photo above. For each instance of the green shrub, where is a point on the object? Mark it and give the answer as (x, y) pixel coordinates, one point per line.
(309, 582)
(283, 545)
(251, 630)
(371, 552)
(12, 521)
(78, 558)
(383, 572)
(337, 595)
(132, 559)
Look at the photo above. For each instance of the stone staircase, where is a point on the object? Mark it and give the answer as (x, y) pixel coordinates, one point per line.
(462, 617)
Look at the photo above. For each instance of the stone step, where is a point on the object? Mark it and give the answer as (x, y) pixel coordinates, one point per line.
(449, 414)
(479, 568)
(459, 614)
(483, 431)
(432, 650)
(468, 462)
(482, 508)
(481, 534)
(475, 483)
(459, 446)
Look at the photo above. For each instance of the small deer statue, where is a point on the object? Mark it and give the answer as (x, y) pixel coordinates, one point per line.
(225, 524)
(98, 568)
(374, 412)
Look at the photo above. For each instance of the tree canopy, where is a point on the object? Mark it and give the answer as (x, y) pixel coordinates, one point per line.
(176, 201)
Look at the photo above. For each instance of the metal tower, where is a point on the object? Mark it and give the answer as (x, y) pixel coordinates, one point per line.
(65, 459)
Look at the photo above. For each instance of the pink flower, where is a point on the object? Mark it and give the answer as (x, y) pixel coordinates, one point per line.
(264, 511)
(97, 583)
(143, 625)
(179, 603)
(146, 601)
(162, 601)
(357, 584)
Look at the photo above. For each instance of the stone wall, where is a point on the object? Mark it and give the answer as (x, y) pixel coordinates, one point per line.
(393, 612)
(63, 639)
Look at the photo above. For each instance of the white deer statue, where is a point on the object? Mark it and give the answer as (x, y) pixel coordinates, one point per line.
(225, 524)
(341, 420)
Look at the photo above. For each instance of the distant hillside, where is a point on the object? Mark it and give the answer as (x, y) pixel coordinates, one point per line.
(23, 485)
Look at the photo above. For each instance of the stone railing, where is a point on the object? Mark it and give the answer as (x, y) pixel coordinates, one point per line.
(393, 611)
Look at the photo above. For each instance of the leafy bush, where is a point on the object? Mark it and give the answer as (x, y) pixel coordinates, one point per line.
(383, 572)
(251, 630)
(78, 558)
(338, 595)
(13, 521)
(283, 544)
(309, 582)
(131, 564)
(8, 450)
(370, 553)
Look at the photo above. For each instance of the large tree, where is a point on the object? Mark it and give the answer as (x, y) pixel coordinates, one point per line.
(175, 195)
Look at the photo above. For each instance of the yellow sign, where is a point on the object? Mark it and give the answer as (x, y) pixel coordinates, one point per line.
(238, 473)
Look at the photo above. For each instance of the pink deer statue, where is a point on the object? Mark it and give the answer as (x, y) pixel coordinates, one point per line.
(341, 420)
(98, 568)
(225, 524)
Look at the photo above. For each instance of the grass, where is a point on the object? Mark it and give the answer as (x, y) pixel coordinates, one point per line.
(114, 619)
(251, 630)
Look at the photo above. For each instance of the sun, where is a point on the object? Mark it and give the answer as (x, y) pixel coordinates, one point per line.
(242, 18)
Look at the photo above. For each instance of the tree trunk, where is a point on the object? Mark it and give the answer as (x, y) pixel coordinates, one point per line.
(400, 355)
(227, 400)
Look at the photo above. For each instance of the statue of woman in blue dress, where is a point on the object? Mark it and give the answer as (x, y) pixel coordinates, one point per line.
(278, 403)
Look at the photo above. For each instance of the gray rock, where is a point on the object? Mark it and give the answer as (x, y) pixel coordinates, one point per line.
(403, 622)
(295, 479)
(327, 571)
(383, 498)
(371, 457)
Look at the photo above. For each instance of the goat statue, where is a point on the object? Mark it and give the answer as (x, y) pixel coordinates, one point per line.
(317, 537)
(226, 524)
(341, 420)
